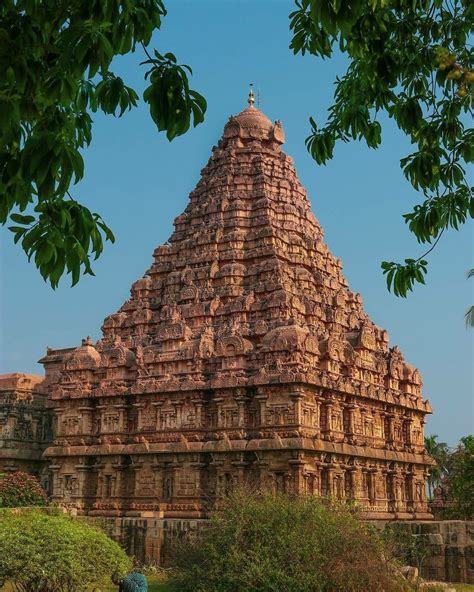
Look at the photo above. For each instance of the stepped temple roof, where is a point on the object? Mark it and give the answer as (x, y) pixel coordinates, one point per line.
(246, 276)
(243, 336)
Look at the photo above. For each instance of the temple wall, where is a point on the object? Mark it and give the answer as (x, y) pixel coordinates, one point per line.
(450, 542)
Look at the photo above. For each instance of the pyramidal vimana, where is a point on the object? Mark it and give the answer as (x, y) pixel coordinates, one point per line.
(241, 357)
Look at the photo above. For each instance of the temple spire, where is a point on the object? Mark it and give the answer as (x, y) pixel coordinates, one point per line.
(251, 98)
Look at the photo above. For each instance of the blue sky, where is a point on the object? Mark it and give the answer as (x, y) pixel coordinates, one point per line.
(139, 182)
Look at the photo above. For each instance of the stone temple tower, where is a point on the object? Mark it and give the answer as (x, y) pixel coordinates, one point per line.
(241, 356)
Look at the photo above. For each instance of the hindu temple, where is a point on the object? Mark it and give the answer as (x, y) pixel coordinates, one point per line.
(241, 358)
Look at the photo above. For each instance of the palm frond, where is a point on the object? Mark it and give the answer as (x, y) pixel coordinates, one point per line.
(469, 314)
(469, 317)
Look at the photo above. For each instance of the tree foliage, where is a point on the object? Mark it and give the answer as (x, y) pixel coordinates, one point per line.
(21, 489)
(259, 541)
(453, 474)
(56, 62)
(413, 61)
(439, 452)
(56, 553)
(460, 480)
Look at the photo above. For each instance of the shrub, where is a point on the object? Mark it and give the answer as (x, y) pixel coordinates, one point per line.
(21, 489)
(268, 543)
(56, 553)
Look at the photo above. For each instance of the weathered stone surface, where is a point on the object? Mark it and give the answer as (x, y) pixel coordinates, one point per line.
(25, 424)
(241, 355)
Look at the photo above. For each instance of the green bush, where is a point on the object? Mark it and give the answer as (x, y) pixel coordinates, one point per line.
(268, 543)
(56, 553)
(21, 489)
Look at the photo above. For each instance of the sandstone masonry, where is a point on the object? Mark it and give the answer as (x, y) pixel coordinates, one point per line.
(241, 356)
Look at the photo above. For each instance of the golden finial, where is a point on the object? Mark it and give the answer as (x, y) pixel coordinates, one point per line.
(251, 98)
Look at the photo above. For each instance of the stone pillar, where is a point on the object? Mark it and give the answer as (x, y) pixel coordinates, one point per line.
(82, 471)
(352, 409)
(391, 494)
(350, 428)
(409, 491)
(263, 473)
(407, 426)
(398, 492)
(218, 470)
(157, 405)
(330, 481)
(383, 501)
(198, 471)
(119, 480)
(86, 412)
(297, 397)
(327, 429)
(59, 424)
(317, 418)
(241, 405)
(389, 437)
(317, 478)
(372, 476)
(365, 485)
(121, 408)
(262, 399)
(241, 467)
(139, 407)
(198, 407)
(218, 401)
(99, 410)
(56, 484)
(175, 469)
(288, 484)
(297, 466)
(178, 405)
(353, 481)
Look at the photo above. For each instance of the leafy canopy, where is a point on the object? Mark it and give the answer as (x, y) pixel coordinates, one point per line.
(412, 60)
(55, 59)
(41, 552)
